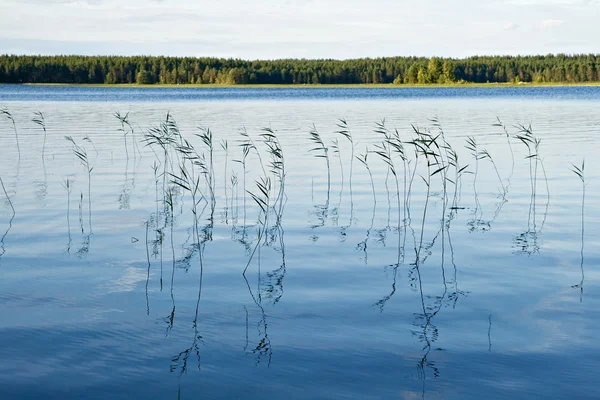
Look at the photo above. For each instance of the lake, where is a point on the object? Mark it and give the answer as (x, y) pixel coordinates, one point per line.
(455, 256)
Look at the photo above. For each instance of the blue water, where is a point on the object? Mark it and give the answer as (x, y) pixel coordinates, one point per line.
(71, 93)
(499, 299)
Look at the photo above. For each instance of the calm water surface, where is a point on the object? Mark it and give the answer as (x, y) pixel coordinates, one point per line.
(499, 299)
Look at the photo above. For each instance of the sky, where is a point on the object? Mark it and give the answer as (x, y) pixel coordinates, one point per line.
(270, 29)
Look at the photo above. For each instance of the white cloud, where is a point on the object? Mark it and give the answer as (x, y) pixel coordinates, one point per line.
(552, 23)
(563, 3)
(293, 28)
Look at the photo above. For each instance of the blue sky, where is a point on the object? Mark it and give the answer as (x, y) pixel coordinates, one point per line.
(252, 29)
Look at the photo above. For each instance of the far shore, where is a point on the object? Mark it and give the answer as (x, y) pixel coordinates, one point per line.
(317, 86)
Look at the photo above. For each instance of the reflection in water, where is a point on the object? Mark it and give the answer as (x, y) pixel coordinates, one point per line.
(581, 266)
(68, 185)
(42, 186)
(42, 190)
(457, 292)
(84, 249)
(263, 346)
(363, 246)
(490, 333)
(225, 146)
(269, 289)
(148, 272)
(192, 168)
(8, 200)
(184, 177)
(2, 249)
(180, 361)
(81, 213)
(427, 332)
(128, 187)
(272, 281)
(526, 243)
(335, 146)
(170, 200)
(381, 303)
(580, 172)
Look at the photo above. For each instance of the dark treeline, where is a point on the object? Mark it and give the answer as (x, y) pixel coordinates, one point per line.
(559, 68)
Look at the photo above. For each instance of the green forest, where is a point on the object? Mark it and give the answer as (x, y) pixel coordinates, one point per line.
(559, 68)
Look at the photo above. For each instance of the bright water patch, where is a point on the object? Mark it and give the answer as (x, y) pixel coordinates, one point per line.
(491, 302)
(186, 94)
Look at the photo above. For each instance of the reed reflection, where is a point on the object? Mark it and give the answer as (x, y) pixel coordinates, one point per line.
(10, 221)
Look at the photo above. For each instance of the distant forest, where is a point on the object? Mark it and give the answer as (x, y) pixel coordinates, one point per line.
(558, 68)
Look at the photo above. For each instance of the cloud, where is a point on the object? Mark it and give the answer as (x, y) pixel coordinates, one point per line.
(562, 3)
(552, 23)
(294, 28)
(58, 2)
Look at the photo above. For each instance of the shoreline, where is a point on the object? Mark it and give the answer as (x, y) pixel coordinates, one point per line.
(310, 86)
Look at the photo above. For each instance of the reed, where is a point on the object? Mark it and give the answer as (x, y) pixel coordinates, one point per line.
(384, 152)
(335, 147)
(579, 171)
(148, 271)
(225, 146)
(191, 167)
(484, 154)
(262, 199)
(10, 203)
(500, 124)
(473, 149)
(459, 170)
(242, 161)
(234, 189)
(276, 167)
(124, 120)
(166, 137)
(248, 142)
(527, 139)
(41, 121)
(170, 200)
(321, 152)
(396, 147)
(207, 166)
(248, 145)
(81, 153)
(9, 116)
(344, 131)
(425, 145)
(362, 158)
(87, 138)
(81, 212)
(442, 148)
(381, 128)
(532, 143)
(68, 185)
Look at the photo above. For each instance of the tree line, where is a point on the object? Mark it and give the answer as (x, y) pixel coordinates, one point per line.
(559, 68)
